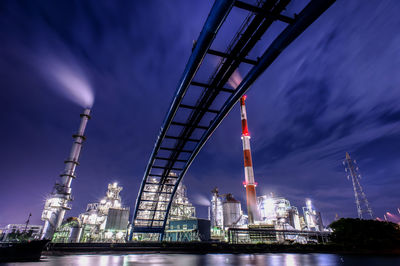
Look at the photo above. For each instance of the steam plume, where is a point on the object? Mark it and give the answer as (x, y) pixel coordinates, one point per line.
(235, 79)
(201, 200)
(67, 78)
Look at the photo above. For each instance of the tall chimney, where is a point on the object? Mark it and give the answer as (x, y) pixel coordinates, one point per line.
(58, 202)
(249, 182)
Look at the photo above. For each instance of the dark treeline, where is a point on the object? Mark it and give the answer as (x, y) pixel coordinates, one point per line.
(366, 233)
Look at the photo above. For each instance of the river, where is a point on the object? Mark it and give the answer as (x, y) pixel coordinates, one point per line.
(275, 259)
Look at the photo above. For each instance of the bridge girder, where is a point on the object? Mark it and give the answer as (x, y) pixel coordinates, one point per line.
(186, 138)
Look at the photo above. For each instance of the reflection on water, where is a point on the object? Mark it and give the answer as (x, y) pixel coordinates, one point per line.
(281, 259)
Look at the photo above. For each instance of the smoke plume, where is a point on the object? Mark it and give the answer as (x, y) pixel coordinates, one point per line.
(235, 79)
(67, 78)
(201, 200)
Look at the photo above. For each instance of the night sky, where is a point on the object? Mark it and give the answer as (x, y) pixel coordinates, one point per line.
(335, 89)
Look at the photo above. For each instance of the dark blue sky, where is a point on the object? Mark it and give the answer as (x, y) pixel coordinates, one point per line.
(335, 89)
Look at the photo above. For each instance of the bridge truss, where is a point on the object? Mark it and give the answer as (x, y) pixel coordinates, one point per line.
(200, 104)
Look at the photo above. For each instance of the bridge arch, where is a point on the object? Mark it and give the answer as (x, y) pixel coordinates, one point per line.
(187, 127)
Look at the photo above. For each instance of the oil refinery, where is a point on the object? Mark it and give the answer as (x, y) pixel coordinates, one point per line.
(161, 174)
(267, 218)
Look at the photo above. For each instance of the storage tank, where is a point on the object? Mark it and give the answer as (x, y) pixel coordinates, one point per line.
(75, 234)
(75, 229)
(232, 211)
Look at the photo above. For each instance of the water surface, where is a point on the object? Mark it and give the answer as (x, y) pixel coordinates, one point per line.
(281, 259)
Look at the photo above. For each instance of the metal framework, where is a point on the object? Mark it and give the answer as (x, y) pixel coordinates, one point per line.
(362, 203)
(188, 126)
(259, 235)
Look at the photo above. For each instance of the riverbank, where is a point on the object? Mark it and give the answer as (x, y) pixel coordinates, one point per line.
(207, 247)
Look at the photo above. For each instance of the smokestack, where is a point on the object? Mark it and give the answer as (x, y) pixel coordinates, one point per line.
(58, 202)
(249, 182)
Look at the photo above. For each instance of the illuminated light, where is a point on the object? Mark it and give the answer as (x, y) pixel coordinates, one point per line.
(120, 235)
(104, 260)
(83, 260)
(244, 97)
(108, 234)
(290, 260)
(308, 203)
(115, 184)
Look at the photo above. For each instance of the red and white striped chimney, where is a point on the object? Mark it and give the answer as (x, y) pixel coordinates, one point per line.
(249, 182)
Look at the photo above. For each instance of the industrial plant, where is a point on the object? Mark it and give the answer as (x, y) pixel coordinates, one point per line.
(104, 221)
(266, 218)
(240, 214)
(276, 216)
(163, 210)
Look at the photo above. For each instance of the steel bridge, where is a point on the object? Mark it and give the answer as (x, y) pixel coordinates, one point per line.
(200, 104)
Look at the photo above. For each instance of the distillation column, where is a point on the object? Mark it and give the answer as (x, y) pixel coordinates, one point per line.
(249, 183)
(58, 202)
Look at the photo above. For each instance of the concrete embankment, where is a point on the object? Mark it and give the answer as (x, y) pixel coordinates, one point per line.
(202, 248)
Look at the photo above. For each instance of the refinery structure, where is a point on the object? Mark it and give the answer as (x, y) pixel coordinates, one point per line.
(266, 218)
(276, 214)
(104, 221)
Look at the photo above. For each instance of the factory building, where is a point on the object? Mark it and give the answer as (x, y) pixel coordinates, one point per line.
(312, 218)
(181, 208)
(226, 212)
(279, 221)
(104, 221)
(69, 232)
(188, 230)
(14, 231)
(277, 211)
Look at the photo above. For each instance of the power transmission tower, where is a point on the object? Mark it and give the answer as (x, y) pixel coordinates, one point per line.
(362, 204)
